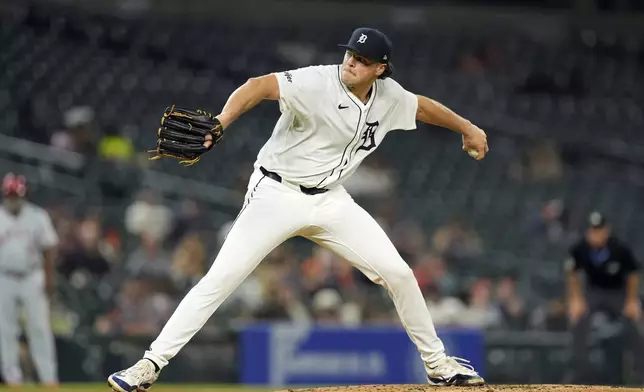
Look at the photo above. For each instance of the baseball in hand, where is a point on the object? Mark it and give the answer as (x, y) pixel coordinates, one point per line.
(473, 153)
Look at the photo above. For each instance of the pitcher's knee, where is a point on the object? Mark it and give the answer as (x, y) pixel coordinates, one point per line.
(208, 283)
(400, 277)
(215, 282)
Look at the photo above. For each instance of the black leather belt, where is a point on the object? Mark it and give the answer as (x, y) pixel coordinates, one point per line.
(276, 177)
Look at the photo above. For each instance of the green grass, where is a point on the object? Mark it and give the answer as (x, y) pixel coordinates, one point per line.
(157, 388)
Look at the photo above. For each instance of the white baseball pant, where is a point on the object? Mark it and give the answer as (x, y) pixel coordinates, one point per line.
(274, 212)
(30, 293)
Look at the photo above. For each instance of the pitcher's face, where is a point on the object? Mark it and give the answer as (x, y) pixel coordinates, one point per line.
(358, 70)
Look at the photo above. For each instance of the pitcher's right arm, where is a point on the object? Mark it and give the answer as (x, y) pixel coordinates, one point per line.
(296, 90)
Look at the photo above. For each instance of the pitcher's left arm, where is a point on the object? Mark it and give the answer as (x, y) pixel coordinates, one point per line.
(435, 113)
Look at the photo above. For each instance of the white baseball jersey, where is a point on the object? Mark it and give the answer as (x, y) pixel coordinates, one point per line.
(325, 131)
(23, 238)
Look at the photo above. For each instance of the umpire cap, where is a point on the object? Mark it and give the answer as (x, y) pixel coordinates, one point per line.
(596, 220)
(373, 45)
(14, 185)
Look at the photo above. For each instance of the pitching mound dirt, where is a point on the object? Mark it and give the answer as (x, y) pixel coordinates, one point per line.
(487, 388)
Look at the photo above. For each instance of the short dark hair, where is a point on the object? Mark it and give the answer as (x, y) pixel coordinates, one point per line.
(389, 70)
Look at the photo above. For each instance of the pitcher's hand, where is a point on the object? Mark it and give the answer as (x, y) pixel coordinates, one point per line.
(475, 142)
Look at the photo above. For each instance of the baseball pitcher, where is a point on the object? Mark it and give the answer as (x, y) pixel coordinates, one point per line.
(333, 116)
(27, 248)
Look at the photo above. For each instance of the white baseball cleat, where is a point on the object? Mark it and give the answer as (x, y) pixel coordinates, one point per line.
(139, 377)
(450, 372)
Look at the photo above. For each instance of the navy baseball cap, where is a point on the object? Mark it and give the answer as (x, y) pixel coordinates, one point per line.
(371, 44)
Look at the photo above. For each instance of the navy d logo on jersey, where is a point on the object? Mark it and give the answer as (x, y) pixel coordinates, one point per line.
(369, 136)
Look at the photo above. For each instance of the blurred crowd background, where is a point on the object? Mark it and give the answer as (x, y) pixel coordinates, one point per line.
(558, 87)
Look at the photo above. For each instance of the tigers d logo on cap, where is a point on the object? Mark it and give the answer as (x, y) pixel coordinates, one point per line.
(371, 44)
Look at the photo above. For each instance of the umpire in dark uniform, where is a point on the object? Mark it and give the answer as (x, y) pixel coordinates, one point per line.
(612, 286)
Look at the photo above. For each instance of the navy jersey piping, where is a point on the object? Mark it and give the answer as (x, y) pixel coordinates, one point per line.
(375, 92)
(354, 135)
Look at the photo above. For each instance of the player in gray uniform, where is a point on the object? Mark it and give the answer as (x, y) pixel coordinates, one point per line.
(333, 116)
(27, 248)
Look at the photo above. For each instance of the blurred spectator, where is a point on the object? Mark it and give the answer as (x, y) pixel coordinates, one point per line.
(150, 260)
(314, 295)
(112, 176)
(115, 175)
(316, 272)
(379, 311)
(117, 181)
(146, 215)
(279, 300)
(111, 246)
(115, 146)
(258, 291)
(513, 309)
(188, 220)
(431, 272)
(409, 239)
(188, 263)
(481, 311)
(552, 222)
(445, 311)
(86, 257)
(457, 241)
(347, 278)
(80, 133)
(540, 161)
(282, 304)
(544, 161)
(138, 311)
(326, 307)
(64, 225)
